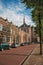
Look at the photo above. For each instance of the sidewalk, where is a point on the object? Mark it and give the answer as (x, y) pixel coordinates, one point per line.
(35, 58)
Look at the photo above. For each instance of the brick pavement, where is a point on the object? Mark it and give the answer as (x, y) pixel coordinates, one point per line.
(35, 58)
(15, 56)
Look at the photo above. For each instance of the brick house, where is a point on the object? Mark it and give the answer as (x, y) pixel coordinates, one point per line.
(30, 30)
(8, 31)
(12, 34)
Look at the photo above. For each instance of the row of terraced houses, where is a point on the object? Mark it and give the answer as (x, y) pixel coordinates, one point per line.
(13, 34)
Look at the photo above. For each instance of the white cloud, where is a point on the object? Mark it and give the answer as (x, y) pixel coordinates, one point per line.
(1, 6)
(11, 14)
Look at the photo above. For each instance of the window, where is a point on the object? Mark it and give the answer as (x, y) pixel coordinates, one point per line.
(1, 27)
(8, 38)
(6, 29)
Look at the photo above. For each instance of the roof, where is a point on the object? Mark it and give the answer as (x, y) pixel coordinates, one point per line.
(24, 25)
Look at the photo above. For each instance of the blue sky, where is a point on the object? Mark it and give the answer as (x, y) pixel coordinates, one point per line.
(14, 11)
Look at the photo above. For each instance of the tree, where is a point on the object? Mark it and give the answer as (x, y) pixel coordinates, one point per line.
(37, 11)
(35, 19)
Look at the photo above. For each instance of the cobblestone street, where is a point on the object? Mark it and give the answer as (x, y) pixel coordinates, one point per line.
(16, 56)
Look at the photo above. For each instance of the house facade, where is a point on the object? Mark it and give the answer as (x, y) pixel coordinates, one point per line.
(12, 34)
(30, 30)
(7, 34)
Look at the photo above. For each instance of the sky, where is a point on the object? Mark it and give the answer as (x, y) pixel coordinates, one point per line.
(15, 11)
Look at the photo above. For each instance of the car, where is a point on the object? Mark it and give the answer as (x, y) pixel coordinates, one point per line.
(14, 45)
(4, 46)
(17, 45)
(25, 43)
(22, 44)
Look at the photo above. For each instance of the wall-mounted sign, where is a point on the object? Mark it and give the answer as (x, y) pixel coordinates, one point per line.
(1, 27)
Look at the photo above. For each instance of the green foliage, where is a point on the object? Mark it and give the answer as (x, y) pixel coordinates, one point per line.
(32, 3)
(37, 7)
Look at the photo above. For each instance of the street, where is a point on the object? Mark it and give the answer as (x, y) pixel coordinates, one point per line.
(16, 56)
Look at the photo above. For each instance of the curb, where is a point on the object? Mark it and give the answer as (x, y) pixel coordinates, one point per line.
(27, 57)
